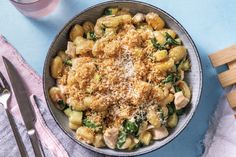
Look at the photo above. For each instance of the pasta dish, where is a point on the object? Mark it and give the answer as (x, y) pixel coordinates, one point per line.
(121, 80)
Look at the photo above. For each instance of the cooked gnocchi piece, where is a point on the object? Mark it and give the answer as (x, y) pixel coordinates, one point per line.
(76, 31)
(161, 55)
(99, 141)
(154, 20)
(56, 67)
(169, 31)
(83, 46)
(145, 137)
(121, 81)
(88, 26)
(85, 134)
(177, 53)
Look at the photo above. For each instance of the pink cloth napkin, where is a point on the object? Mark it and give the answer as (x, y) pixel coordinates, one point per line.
(34, 81)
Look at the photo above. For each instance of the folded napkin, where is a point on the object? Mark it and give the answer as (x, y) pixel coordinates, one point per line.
(55, 142)
(220, 139)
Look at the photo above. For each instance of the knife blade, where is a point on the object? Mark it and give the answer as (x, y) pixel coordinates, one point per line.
(25, 106)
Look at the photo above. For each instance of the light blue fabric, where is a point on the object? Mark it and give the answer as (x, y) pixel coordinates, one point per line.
(211, 23)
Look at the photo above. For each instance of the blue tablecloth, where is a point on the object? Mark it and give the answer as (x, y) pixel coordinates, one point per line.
(211, 23)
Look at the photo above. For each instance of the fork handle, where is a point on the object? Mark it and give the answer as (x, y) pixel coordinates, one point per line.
(17, 135)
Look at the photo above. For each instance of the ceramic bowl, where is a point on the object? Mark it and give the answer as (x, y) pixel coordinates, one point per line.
(194, 78)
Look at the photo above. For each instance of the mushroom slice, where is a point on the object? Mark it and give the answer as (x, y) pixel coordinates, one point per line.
(159, 133)
(150, 127)
(180, 100)
(138, 18)
(110, 137)
(71, 50)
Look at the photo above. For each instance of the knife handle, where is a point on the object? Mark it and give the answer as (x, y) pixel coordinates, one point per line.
(37, 147)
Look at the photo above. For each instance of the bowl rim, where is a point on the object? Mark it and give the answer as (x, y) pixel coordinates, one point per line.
(130, 153)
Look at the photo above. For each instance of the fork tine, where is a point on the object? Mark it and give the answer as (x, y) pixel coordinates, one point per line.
(4, 82)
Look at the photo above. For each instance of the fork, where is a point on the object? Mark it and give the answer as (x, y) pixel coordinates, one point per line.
(5, 93)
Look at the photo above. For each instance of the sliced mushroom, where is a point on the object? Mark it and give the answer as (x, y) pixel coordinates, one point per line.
(139, 17)
(71, 50)
(159, 133)
(110, 137)
(150, 127)
(180, 100)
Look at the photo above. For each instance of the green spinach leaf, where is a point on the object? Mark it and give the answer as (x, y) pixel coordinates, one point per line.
(130, 127)
(170, 78)
(138, 145)
(107, 11)
(170, 41)
(157, 45)
(91, 36)
(171, 108)
(121, 139)
(140, 117)
(177, 89)
(180, 112)
(61, 105)
(68, 62)
(88, 123)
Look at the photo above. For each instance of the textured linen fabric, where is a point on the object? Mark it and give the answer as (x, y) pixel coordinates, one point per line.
(55, 142)
(8, 146)
(220, 138)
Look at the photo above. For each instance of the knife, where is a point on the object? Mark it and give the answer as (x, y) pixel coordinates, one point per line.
(26, 108)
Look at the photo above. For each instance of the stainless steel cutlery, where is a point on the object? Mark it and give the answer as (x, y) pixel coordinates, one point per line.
(25, 106)
(5, 93)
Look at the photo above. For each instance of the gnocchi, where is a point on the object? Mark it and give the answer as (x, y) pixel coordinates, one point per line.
(169, 31)
(86, 134)
(83, 46)
(76, 31)
(56, 67)
(177, 53)
(88, 26)
(98, 141)
(145, 138)
(155, 21)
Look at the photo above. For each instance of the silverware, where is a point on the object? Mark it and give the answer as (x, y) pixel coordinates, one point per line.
(5, 93)
(25, 106)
